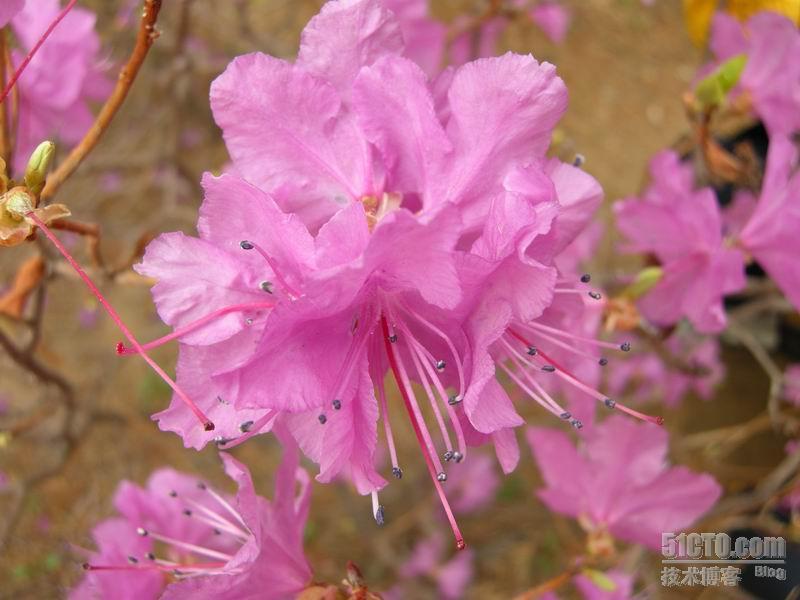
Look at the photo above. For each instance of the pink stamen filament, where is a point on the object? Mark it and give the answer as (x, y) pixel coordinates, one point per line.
(447, 341)
(227, 506)
(556, 342)
(405, 392)
(528, 391)
(208, 425)
(387, 427)
(566, 375)
(255, 429)
(570, 336)
(195, 325)
(201, 550)
(431, 399)
(23, 65)
(542, 398)
(451, 413)
(164, 566)
(539, 353)
(214, 519)
(279, 278)
(431, 447)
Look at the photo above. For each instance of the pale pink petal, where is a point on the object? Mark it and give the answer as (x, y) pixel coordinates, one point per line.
(283, 125)
(345, 36)
(727, 38)
(343, 238)
(771, 234)
(195, 278)
(195, 374)
(772, 72)
(673, 502)
(395, 110)
(527, 99)
(506, 449)
(552, 18)
(562, 469)
(234, 210)
(117, 540)
(579, 195)
(454, 577)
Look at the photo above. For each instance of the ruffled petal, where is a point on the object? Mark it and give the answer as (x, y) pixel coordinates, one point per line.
(345, 36)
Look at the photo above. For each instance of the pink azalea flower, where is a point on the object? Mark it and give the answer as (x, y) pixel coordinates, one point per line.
(9, 9)
(682, 228)
(61, 80)
(618, 481)
(534, 332)
(427, 559)
(214, 546)
(770, 235)
(771, 75)
(791, 384)
(365, 268)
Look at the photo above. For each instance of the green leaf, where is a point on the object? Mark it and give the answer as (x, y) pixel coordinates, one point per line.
(713, 90)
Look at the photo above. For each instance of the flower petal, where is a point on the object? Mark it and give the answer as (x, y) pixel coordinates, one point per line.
(345, 36)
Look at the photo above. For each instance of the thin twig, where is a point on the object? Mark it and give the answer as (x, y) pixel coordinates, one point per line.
(749, 341)
(144, 40)
(37, 318)
(91, 231)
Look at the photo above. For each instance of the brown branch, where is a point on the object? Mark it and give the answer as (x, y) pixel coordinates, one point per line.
(758, 352)
(37, 319)
(144, 40)
(41, 372)
(91, 231)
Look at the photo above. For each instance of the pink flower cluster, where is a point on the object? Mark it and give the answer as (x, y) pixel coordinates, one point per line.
(376, 220)
(380, 215)
(703, 254)
(210, 545)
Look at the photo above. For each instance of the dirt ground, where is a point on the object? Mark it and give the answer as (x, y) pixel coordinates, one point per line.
(625, 66)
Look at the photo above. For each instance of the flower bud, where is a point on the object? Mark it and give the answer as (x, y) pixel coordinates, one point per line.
(713, 89)
(39, 162)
